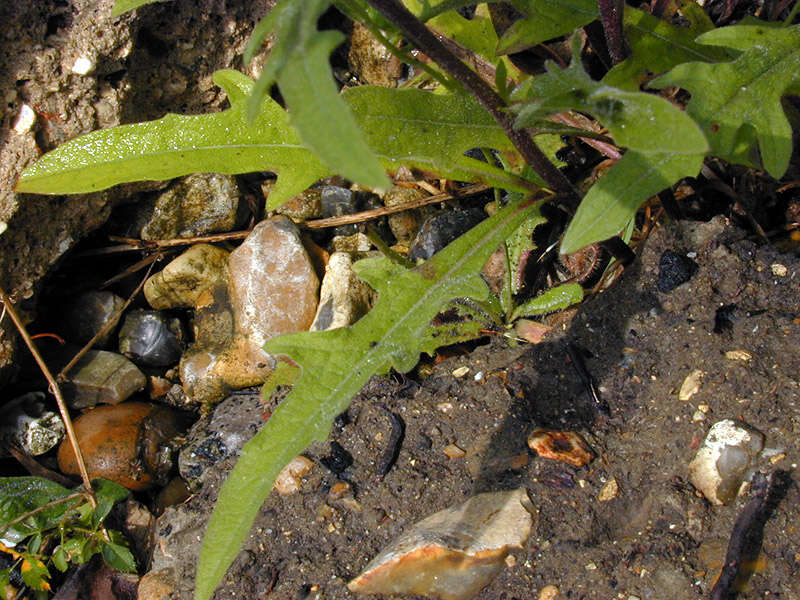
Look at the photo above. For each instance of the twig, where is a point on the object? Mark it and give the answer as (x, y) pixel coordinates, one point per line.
(56, 391)
(746, 532)
(425, 40)
(34, 468)
(611, 18)
(62, 376)
(39, 509)
(200, 239)
(374, 213)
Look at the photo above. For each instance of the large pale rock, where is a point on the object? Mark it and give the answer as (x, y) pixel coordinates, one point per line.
(183, 280)
(272, 290)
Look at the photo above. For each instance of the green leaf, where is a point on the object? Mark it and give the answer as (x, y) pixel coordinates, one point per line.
(613, 201)
(557, 298)
(418, 129)
(299, 63)
(60, 559)
(119, 557)
(544, 20)
(123, 6)
(409, 128)
(336, 364)
(22, 495)
(108, 494)
(738, 103)
(6, 591)
(657, 46)
(34, 573)
(664, 144)
(177, 145)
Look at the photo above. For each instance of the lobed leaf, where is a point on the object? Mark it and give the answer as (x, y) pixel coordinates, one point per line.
(336, 364)
(738, 103)
(544, 20)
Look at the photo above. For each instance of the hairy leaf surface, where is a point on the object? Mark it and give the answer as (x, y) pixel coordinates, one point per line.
(544, 20)
(657, 46)
(557, 298)
(336, 364)
(664, 144)
(404, 127)
(738, 103)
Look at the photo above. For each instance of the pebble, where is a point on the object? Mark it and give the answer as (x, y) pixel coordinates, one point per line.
(371, 61)
(691, 385)
(725, 459)
(338, 201)
(184, 279)
(199, 204)
(742, 355)
(302, 207)
(673, 270)
(779, 270)
(151, 339)
(609, 491)
(291, 476)
(453, 451)
(130, 443)
(460, 371)
(84, 317)
(454, 553)
(343, 297)
(564, 446)
(438, 231)
(404, 225)
(27, 423)
(102, 377)
(548, 592)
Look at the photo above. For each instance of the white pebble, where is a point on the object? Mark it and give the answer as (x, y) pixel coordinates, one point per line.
(83, 65)
(25, 119)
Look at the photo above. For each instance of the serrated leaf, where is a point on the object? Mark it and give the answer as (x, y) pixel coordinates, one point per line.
(613, 201)
(657, 46)
(403, 127)
(335, 365)
(178, 145)
(418, 129)
(544, 20)
(22, 495)
(119, 557)
(738, 103)
(123, 6)
(554, 299)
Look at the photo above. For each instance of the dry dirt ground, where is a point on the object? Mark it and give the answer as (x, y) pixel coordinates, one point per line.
(657, 538)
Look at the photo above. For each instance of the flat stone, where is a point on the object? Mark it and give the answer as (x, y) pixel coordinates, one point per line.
(344, 298)
(454, 553)
(102, 377)
(181, 282)
(201, 203)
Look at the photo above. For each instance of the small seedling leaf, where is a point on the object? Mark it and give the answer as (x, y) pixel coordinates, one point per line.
(738, 103)
(554, 299)
(336, 364)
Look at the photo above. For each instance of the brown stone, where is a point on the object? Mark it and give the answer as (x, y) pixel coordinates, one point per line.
(565, 446)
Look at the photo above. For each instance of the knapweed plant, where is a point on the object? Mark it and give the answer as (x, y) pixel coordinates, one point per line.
(737, 77)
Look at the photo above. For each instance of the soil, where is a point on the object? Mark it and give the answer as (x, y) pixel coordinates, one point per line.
(658, 537)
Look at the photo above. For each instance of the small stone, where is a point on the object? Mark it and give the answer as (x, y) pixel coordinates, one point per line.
(742, 355)
(779, 270)
(302, 207)
(725, 458)
(404, 225)
(83, 318)
(609, 491)
(182, 281)
(698, 416)
(291, 476)
(83, 65)
(454, 553)
(130, 443)
(156, 585)
(27, 423)
(438, 231)
(102, 377)
(357, 242)
(460, 371)
(673, 270)
(150, 338)
(548, 592)
(25, 120)
(691, 385)
(338, 201)
(199, 204)
(453, 451)
(370, 60)
(344, 298)
(565, 446)
(531, 331)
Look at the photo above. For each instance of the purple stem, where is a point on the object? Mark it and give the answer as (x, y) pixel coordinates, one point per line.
(611, 18)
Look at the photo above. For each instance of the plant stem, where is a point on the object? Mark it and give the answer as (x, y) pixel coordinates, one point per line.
(425, 40)
(56, 391)
(611, 17)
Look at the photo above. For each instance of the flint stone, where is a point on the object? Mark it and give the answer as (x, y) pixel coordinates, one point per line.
(454, 553)
(102, 377)
(84, 317)
(182, 281)
(344, 298)
(150, 338)
(201, 203)
(438, 231)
